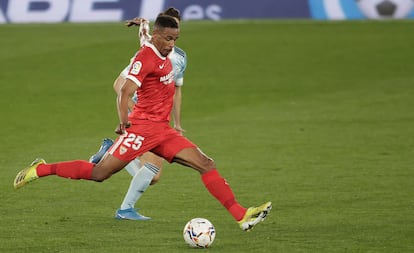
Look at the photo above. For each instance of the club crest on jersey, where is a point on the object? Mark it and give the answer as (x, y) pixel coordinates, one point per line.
(167, 79)
(122, 150)
(136, 67)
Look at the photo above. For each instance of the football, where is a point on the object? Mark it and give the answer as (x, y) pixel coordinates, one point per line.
(385, 9)
(199, 233)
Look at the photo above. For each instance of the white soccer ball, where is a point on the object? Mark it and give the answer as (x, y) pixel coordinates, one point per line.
(385, 9)
(199, 233)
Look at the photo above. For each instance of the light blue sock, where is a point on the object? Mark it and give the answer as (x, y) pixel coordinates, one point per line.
(133, 167)
(139, 184)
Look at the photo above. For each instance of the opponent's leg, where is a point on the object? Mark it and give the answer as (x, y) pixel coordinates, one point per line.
(139, 183)
(133, 167)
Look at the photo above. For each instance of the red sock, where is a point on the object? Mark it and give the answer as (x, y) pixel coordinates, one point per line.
(219, 188)
(73, 169)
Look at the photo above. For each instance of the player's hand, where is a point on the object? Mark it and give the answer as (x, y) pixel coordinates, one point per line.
(136, 21)
(179, 129)
(121, 128)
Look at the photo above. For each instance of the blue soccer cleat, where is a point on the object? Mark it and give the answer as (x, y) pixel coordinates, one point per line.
(129, 214)
(106, 144)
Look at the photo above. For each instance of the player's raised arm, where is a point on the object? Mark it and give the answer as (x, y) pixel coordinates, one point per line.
(143, 31)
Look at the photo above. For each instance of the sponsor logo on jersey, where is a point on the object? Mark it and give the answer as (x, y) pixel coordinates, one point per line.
(167, 79)
(122, 150)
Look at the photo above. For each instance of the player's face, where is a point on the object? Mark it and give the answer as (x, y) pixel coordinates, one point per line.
(164, 40)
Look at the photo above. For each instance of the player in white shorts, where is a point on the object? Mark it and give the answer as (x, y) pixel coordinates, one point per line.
(147, 169)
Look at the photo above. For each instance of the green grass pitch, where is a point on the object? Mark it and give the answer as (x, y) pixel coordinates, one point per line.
(317, 117)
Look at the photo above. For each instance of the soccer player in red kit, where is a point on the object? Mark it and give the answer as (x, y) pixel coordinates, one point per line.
(147, 129)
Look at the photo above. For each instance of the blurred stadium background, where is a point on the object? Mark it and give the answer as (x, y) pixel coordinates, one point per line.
(51, 11)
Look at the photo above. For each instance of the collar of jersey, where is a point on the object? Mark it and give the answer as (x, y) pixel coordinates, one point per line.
(150, 45)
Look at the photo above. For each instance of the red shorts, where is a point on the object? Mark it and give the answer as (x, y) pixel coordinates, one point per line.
(157, 137)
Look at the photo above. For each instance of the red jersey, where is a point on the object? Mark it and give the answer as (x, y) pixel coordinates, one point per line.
(153, 74)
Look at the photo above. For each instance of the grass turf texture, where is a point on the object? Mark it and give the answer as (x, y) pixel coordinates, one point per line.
(316, 117)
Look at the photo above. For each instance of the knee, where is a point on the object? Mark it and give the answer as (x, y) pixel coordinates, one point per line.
(211, 164)
(208, 164)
